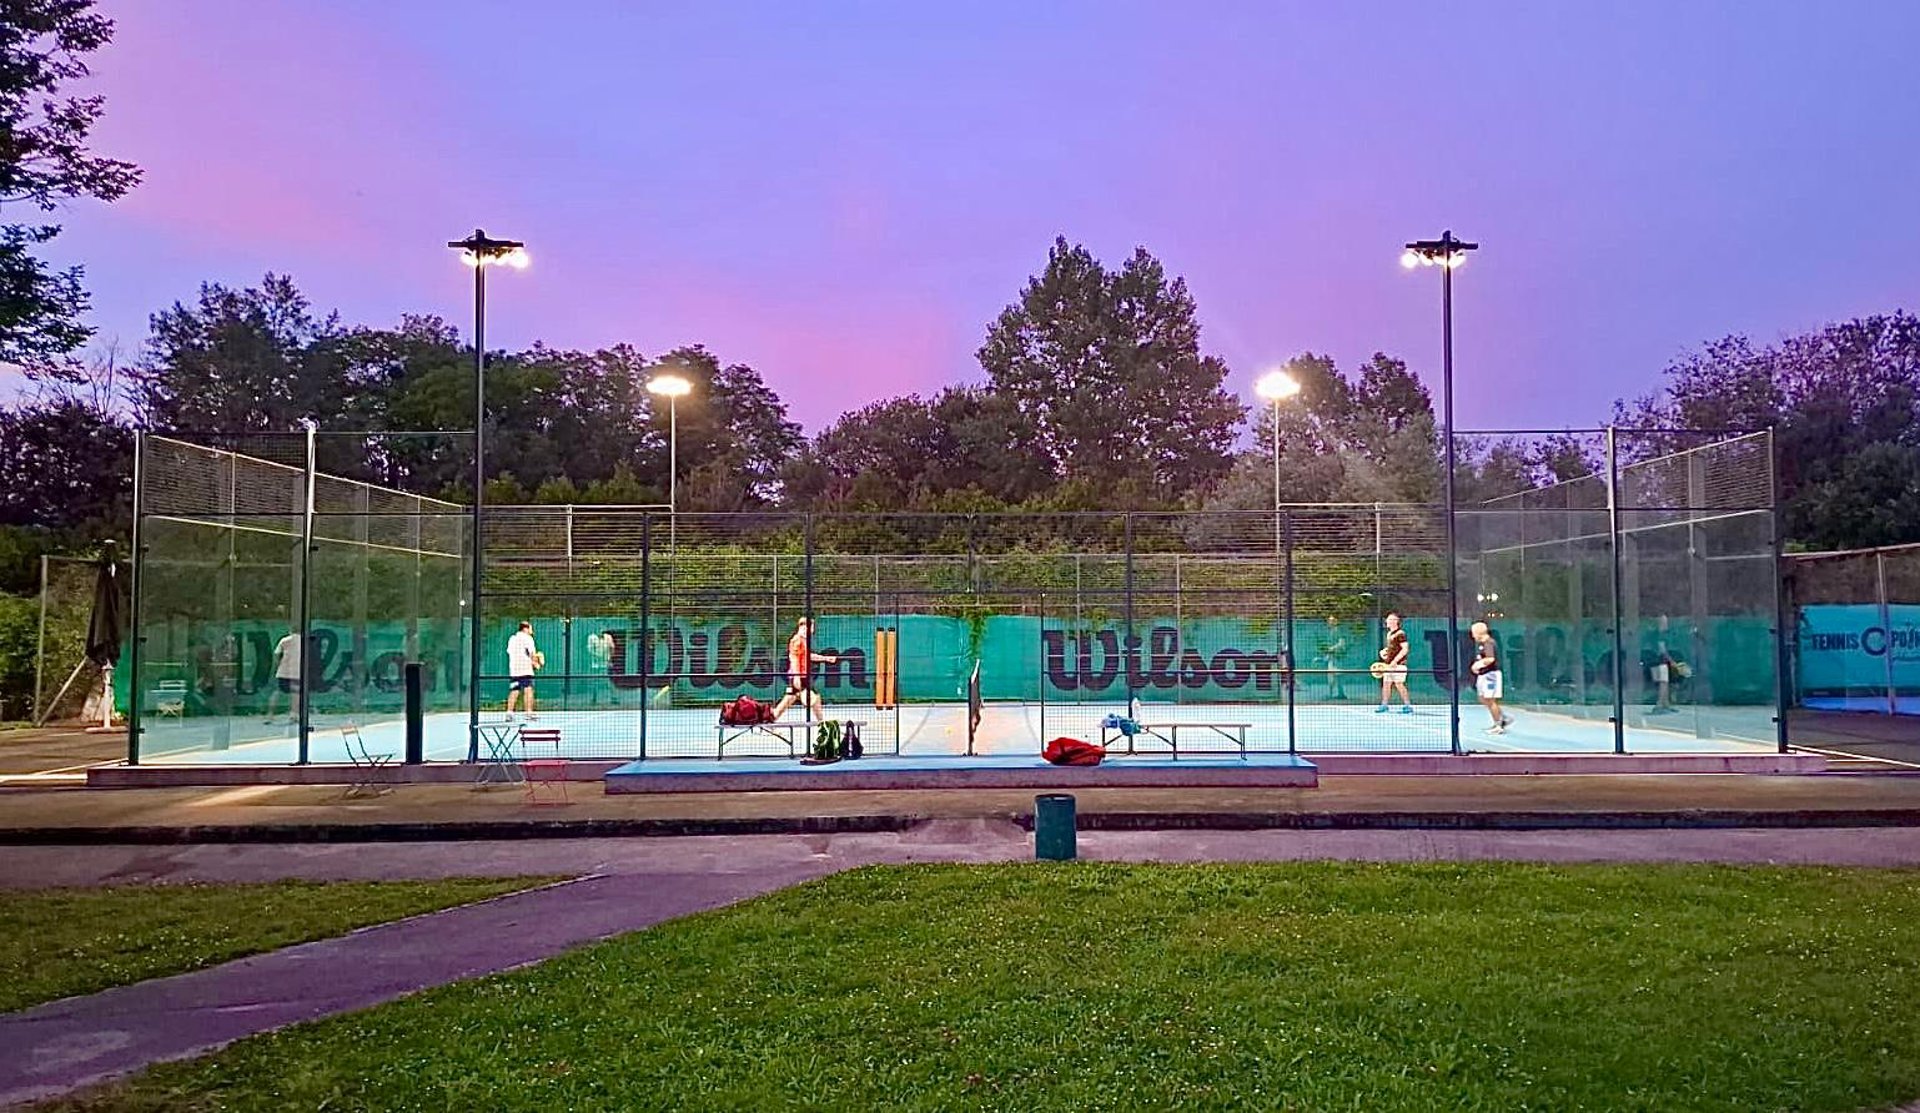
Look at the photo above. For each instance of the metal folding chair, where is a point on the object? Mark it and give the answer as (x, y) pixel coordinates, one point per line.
(550, 772)
(544, 770)
(366, 764)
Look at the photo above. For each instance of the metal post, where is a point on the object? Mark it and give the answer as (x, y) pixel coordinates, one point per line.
(39, 653)
(806, 613)
(673, 476)
(646, 624)
(134, 678)
(1128, 643)
(1782, 666)
(304, 686)
(566, 626)
(1619, 602)
(475, 630)
(1287, 670)
(1886, 624)
(1453, 552)
(1276, 453)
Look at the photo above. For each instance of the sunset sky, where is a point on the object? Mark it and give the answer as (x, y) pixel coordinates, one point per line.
(844, 194)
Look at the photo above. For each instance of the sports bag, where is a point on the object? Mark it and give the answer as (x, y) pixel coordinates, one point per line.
(1072, 751)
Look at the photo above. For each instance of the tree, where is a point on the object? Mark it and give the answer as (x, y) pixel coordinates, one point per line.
(243, 361)
(1844, 404)
(1365, 437)
(910, 452)
(1106, 371)
(44, 162)
(732, 424)
(70, 467)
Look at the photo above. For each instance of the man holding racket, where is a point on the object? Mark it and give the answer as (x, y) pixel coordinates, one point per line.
(1392, 668)
(523, 660)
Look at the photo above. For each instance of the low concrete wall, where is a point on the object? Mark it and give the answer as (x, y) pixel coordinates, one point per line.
(175, 776)
(874, 775)
(1429, 765)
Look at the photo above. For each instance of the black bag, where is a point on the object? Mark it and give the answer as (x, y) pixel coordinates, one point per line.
(850, 747)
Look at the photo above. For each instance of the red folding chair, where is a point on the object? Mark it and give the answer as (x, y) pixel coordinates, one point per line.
(545, 772)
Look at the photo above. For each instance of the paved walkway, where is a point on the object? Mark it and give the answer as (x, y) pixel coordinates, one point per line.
(635, 883)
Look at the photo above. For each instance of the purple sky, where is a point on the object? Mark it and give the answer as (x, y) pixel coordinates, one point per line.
(844, 194)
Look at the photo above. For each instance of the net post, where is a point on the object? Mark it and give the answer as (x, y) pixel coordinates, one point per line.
(1619, 634)
(133, 619)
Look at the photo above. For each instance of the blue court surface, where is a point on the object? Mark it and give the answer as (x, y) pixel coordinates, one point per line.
(1006, 729)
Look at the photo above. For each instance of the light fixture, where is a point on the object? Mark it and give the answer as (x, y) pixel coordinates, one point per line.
(1276, 385)
(669, 386)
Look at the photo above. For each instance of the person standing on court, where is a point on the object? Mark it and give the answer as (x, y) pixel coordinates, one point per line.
(523, 660)
(1486, 677)
(800, 661)
(287, 676)
(1332, 648)
(1393, 667)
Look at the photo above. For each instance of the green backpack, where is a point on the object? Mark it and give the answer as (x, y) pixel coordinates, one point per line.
(826, 743)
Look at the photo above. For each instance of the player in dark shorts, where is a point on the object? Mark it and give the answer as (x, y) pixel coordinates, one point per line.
(800, 661)
(1393, 677)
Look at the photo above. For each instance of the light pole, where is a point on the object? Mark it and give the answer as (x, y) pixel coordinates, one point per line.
(672, 387)
(481, 251)
(1447, 252)
(1276, 387)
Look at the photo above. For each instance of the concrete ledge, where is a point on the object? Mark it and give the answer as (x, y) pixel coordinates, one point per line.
(1716, 819)
(454, 831)
(222, 775)
(894, 774)
(1429, 765)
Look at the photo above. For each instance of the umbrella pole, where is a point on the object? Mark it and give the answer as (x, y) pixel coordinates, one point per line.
(47, 711)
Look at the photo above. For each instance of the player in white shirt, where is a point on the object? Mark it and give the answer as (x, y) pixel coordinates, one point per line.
(286, 676)
(523, 659)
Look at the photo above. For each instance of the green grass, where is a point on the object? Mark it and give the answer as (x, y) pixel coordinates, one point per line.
(60, 942)
(1307, 986)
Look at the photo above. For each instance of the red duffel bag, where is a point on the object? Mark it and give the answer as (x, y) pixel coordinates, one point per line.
(1072, 751)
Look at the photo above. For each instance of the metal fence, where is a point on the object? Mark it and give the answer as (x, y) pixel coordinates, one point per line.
(1644, 594)
(271, 598)
(1856, 618)
(1634, 608)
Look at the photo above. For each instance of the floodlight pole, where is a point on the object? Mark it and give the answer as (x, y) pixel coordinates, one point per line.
(1453, 544)
(474, 628)
(480, 251)
(1448, 252)
(1276, 454)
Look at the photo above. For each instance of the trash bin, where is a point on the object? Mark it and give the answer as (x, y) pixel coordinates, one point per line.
(1053, 827)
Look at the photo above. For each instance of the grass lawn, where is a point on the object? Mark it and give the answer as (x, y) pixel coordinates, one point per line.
(61, 942)
(1083, 986)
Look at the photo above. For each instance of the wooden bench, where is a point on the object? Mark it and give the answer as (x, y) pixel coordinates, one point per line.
(1170, 734)
(729, 733)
